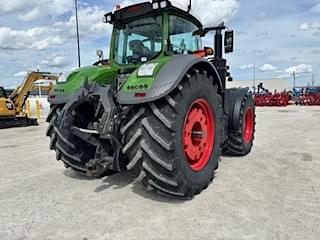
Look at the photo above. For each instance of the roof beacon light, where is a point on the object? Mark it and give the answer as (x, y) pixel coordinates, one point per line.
(155, 5)
(163, 4)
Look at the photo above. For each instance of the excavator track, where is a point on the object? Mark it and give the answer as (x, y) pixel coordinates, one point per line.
(17, 122)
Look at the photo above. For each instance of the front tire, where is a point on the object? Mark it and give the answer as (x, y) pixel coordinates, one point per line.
(72, 151)
(159, 140)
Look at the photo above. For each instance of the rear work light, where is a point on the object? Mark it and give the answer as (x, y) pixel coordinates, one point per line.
(155, 5)
(108, 18)
(163, 4)
(159, 4)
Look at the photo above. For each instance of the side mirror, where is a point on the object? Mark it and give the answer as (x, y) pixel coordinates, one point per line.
(100, 54)
(228, 41)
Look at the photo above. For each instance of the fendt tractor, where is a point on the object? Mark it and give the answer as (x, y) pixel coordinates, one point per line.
(158, 107)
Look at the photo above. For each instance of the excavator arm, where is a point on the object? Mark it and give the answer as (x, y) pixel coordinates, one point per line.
(19, 95)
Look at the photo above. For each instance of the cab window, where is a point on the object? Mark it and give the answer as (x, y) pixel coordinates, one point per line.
(182, 40)
(2, 93)
(138, 40)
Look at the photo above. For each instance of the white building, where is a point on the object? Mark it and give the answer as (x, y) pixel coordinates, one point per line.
(272, 84)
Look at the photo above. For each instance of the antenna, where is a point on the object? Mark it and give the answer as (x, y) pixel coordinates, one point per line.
(78, 37)
(190, 4)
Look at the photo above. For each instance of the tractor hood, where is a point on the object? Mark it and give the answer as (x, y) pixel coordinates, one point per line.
(75, 79)
(69, 83)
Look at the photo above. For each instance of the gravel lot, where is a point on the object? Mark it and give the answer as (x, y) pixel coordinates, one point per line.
(274, 193)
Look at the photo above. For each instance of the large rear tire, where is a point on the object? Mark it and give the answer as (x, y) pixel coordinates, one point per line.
(175, 142)
(240, 142)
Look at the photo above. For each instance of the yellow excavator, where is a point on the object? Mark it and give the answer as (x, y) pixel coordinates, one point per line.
(12, 108)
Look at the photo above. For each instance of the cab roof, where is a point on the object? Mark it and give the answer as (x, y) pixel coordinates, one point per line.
(145, 9)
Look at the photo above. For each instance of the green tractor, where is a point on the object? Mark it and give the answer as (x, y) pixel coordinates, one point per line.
(158, 107)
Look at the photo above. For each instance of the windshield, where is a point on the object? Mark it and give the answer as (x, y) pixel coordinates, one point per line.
(182, 40)
(138, 41)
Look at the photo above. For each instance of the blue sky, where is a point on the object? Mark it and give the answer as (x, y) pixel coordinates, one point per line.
(277, 37)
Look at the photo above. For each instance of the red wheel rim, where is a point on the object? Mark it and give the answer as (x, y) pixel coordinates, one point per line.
(248, 126)
(198, 134)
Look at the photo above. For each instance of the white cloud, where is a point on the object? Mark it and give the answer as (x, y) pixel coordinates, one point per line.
(33, 9)
(56, 61)
(246, 66)
(38, 38)
(210, 12)
(316, 8)
(309, 26)
(31, 15)
(304, 27)
(267, 68)
(301, 68)
(20, 74)
(90, 23)
(13, 5)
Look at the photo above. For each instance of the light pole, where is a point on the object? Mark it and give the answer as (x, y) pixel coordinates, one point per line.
(254, 79)
(294, 79)
(78, 38)
(312, 80)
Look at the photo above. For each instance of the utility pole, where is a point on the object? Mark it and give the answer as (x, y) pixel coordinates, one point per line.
(254, 78)
(78, 37)
(312, 80)
(294, 79)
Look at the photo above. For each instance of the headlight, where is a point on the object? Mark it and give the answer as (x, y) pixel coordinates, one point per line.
(147, 70)
(63, 78)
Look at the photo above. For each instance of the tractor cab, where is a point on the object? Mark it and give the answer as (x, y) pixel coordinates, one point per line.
(146, 31)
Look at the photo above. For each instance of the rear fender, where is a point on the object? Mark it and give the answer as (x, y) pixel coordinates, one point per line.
(169, 77)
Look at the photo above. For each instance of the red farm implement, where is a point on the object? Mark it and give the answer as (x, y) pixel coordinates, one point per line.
(309, 99)
(272, 100)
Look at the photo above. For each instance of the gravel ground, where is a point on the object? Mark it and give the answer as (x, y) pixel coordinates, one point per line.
(274, 193)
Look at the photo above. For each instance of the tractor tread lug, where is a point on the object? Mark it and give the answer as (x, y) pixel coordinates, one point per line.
(67, 154)
(133, 139)
(166, 145)
(50, 126)
(154, 157)
(171, 101)
(53, 141)
(70, 144)
(166, 191)
(132, 121)
(135, 160)
(168, 123)
(158, 176)
(141, 176)
(73, 165)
